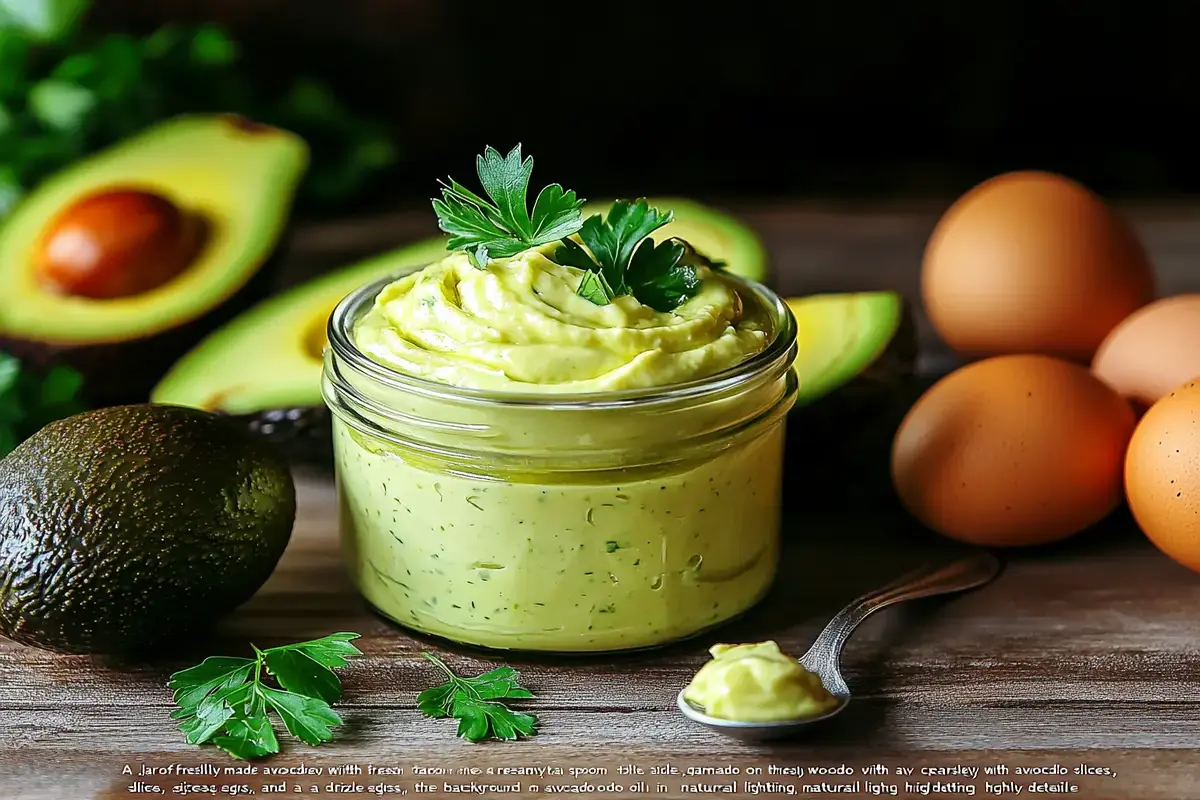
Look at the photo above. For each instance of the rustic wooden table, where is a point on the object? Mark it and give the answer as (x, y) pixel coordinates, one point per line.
(1079, 654)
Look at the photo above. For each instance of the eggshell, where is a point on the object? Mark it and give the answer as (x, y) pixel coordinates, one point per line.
(1013, 450)
(1032, 262)
(1154, 350)
(1162, 474)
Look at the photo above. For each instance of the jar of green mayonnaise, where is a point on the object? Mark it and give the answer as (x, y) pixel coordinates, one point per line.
(558, 522)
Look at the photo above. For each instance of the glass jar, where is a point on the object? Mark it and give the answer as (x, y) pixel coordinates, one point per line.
(560, 523)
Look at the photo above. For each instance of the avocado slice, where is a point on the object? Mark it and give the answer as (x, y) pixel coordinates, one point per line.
(127, 527)
(843, 337)
(236, 179)
(265, 366)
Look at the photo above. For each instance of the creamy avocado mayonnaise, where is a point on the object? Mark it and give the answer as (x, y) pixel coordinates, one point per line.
(494, 546)
(757, 683)
(519, 326)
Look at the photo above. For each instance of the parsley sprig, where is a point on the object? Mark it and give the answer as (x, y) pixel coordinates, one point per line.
(225, 700)
(503, 226)
(29, 400)
(473, 702)
(624, 261)
(616, 254)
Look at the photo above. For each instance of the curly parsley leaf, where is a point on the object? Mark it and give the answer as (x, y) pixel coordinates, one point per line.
(501, 224)
(473, 702)
(224, 700)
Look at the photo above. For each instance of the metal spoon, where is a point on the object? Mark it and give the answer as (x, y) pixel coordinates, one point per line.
(824, 657)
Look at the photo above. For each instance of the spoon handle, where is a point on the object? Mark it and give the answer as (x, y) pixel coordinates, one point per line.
(825, 655)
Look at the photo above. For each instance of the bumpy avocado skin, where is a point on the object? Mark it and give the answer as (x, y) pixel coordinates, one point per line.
(125, 527)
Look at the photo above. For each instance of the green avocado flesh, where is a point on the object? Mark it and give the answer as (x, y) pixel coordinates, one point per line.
(240, 178)
(270, 356)
(265, 365)
(840, 335)
(129, 526)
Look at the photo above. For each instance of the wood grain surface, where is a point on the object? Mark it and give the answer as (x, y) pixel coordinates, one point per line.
(1080, 653)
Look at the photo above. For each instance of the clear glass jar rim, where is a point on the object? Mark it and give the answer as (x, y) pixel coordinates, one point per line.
(346, 313)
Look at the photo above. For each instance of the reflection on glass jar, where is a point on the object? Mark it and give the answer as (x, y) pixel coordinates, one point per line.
(564, 523)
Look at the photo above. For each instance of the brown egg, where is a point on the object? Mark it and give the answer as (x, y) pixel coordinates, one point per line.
(1154, 350)
(1162, 474)
(1032, 262)
(1013, 450)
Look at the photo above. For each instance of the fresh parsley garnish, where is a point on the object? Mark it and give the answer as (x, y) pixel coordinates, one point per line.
(503, 226)
(619, 258)
(30, 400)
(224, 700)
(628, 262)
(473, 702)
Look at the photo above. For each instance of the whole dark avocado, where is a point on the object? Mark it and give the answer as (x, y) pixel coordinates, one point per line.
(127, 526)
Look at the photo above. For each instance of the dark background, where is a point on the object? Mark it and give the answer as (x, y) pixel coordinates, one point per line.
(749, 99)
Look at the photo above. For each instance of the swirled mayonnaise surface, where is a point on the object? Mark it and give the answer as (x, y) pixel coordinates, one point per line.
(757, 683)
(519, 326)
(536, 551)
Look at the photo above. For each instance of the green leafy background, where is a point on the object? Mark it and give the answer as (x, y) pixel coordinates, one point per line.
(66, 92)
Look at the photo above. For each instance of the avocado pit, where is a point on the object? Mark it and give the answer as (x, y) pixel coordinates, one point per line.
(118, 243)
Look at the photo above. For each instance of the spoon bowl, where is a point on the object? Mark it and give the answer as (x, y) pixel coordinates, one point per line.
(755, 731)
(825, 655)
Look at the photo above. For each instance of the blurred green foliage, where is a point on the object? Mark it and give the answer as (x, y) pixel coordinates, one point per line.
(30, 400)
(66, 92)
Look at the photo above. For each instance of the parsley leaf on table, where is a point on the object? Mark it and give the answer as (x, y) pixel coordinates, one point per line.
(473, 702)
(503, 226)
(224, 700)
(29, 401)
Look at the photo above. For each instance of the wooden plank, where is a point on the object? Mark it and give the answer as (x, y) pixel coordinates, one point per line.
(1083, 646)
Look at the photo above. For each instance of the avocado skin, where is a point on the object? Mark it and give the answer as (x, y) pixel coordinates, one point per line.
(125, 527)
(141, 362)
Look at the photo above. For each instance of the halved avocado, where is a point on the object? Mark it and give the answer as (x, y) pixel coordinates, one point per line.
(225, 182)
(713, 233)
(866, 336)
(265, 366)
